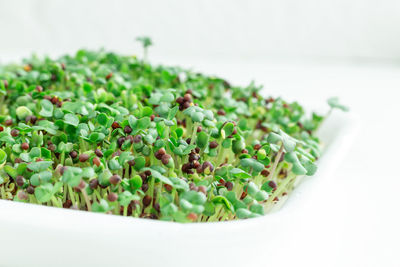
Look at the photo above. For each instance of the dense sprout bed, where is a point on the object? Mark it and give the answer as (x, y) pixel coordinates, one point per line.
(113, 134)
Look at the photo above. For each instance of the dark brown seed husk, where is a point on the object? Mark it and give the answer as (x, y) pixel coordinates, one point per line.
(115, 125)
(8, 122)
(112, 197)
(229, 185)
(161, 152)
(73, 154)
(196, 164)
(265, 172)
(94, 183)
(14, 132)
(81, 185)
(221, 112)
(199, 169)
(20, 180)
(186, 167)
(165, 159)
(213, 144)
(109, 76)
(67, 204)
(272, 184)
(168, 187)
(54, 100)
(127, 129)
(187, 97)
(98, 153)
(30, 189)
(33, 119)
(137, 138)
(145, 187)
(143, 176)
(25, 146)
(83, 157)
(115, 179)
(193, 157)
(257, 146)
(96, 161)
(121, 141)
(146, 201)
(209, 165)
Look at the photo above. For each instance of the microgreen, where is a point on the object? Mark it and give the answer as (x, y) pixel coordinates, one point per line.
(107, 133)
(335, 103)
(146, 42)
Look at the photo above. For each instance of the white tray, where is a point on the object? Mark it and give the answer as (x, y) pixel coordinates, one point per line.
(33, 235)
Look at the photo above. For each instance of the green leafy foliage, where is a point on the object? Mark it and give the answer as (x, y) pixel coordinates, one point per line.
(114, 134)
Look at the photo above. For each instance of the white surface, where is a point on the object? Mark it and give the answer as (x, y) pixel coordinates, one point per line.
(344, 29)
(46, 235)
(354, 219)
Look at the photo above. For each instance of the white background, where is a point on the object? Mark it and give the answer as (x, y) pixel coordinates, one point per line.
(306, 50)
(307, 29)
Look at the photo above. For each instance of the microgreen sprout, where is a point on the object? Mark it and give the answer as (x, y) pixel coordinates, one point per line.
(146, 43)
(107, 133)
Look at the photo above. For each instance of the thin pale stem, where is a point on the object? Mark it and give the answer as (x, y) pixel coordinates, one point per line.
(86, 197)
(276, 162)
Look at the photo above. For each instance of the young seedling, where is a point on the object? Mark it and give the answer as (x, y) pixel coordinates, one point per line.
(146, 43)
